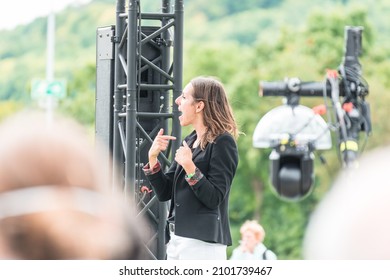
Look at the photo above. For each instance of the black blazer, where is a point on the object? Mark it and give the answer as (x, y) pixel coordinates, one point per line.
(201, 211)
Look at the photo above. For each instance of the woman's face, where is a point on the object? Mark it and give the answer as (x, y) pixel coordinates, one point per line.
(186, 106)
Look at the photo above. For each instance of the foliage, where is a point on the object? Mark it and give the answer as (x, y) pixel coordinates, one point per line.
(80, 103)
(241, 42)
(217, 9)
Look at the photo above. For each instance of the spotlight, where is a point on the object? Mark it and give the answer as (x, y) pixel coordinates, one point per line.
(293, 133)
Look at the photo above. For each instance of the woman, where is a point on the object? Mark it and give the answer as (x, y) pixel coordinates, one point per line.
(251, 244)
(198, 181)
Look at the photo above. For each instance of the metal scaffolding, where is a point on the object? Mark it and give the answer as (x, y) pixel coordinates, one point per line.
(139, 75)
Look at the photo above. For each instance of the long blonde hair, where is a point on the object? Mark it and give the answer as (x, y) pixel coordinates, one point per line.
(218, 114)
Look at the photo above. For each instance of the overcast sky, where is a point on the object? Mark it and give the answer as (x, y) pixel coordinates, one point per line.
(15, 12)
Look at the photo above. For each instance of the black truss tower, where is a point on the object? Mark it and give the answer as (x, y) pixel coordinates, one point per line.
(139, 65)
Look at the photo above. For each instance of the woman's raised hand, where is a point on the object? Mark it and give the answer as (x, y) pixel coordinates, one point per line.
(160, 144)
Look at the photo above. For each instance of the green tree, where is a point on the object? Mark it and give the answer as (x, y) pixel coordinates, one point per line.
(80, 103)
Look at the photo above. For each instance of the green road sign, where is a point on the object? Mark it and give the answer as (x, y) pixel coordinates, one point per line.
(44, 88)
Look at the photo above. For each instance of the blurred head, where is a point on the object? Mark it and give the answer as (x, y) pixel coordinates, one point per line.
(252, 233)
(33, 153)
(351, 221)
(55, 199)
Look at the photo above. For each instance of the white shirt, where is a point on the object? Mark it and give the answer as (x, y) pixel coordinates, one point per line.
(257, 254)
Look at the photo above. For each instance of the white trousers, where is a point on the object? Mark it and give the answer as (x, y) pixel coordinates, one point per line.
(183, 248)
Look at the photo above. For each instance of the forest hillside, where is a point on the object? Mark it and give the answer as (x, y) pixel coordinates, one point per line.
(242, 43)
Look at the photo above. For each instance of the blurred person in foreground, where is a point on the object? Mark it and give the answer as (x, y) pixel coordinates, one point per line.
(251, 243)
(351, 222)
(55, 199)
(199, 179)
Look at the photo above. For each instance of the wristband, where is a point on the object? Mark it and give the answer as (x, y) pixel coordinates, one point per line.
(193, 178)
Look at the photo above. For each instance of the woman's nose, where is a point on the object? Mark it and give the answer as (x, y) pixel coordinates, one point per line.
(177, 100)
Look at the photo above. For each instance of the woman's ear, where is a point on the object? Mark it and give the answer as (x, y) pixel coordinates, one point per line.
(199, 106)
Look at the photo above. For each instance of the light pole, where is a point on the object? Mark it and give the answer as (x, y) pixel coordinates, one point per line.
(50, 101)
